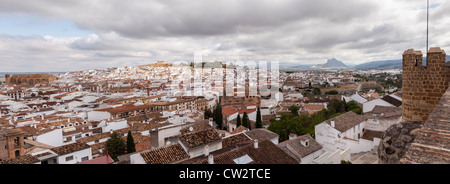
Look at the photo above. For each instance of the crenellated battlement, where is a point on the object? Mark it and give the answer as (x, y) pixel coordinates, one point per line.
(423, 84)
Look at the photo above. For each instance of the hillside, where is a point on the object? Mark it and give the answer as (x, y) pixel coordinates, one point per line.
(334, 63)
(385, 64)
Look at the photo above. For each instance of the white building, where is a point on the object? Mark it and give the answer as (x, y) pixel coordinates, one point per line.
(302, 148)
(342, 132)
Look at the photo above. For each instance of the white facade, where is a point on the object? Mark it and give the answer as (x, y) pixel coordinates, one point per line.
(53, 138)
(98, 115)
(115, 125)
(333, 157)
(332, 139)
(75, 157)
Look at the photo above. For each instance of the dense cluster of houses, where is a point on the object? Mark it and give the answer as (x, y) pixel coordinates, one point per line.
(69, 120)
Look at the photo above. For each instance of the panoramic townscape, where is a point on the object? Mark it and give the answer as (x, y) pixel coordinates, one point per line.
(206, 112)
(224, 82)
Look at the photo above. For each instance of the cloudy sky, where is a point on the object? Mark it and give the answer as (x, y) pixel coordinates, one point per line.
(69, 35)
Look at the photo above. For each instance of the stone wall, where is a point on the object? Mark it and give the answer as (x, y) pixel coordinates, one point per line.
(396, 140)
(423, 85)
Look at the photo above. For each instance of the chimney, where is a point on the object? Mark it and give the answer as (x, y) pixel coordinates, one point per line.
(332, 124)
(206, 150)
(210, 159)
(292, 136)
(211, 121)
(255, 144)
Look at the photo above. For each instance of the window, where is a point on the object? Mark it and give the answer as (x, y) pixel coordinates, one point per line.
(77, 136)
(69, 158)
(85, 158)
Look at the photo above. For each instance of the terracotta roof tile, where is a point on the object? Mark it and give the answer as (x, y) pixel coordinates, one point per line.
(295, 145)
(23, 159)
(165, 155)
(266, 153)
(192, 140)
(346, 121)
(70, 148)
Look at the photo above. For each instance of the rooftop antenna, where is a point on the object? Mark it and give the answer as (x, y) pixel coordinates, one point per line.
(428, 15)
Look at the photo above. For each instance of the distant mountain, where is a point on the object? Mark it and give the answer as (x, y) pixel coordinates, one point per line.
(385, 64)
(334, 63)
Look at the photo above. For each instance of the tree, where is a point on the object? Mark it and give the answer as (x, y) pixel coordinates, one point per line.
(246, 121)
(316, 91)
(294, 110)
(131, 147)
(115, 146)
(238, 121)
(345, 162)
(353, 106)
(217, 115)
(336, 106)
(286, 125)
(332, 92)
(207, 114)
(258, 123)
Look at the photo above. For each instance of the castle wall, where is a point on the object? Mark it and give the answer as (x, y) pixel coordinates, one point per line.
(423, 86)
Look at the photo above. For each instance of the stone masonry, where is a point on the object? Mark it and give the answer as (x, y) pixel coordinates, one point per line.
(423, 85)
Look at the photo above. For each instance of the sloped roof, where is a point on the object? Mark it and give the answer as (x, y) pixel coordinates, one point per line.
(295, 145)
(261, 133)
(192, 140)
(70, 148)
(99, 160)
(392, 100)
(234, 139)
(387, 111)
(346, 121)
(266, 153)
(370, 134)
(165, 155)
(23, 159)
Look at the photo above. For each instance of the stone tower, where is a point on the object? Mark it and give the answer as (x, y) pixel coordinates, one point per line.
(15, 143)
(7, 79)
(423, 85)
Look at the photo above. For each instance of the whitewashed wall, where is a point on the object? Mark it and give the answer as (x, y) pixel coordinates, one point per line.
(53, 138)
(76, 156)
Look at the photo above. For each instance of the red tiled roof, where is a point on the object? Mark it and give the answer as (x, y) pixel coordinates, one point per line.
(233, 109)
(239, 129)
(99, 160)
(125, 108)
(165, 155)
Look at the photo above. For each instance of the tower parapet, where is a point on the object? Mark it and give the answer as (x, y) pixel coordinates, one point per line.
(423, 85)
